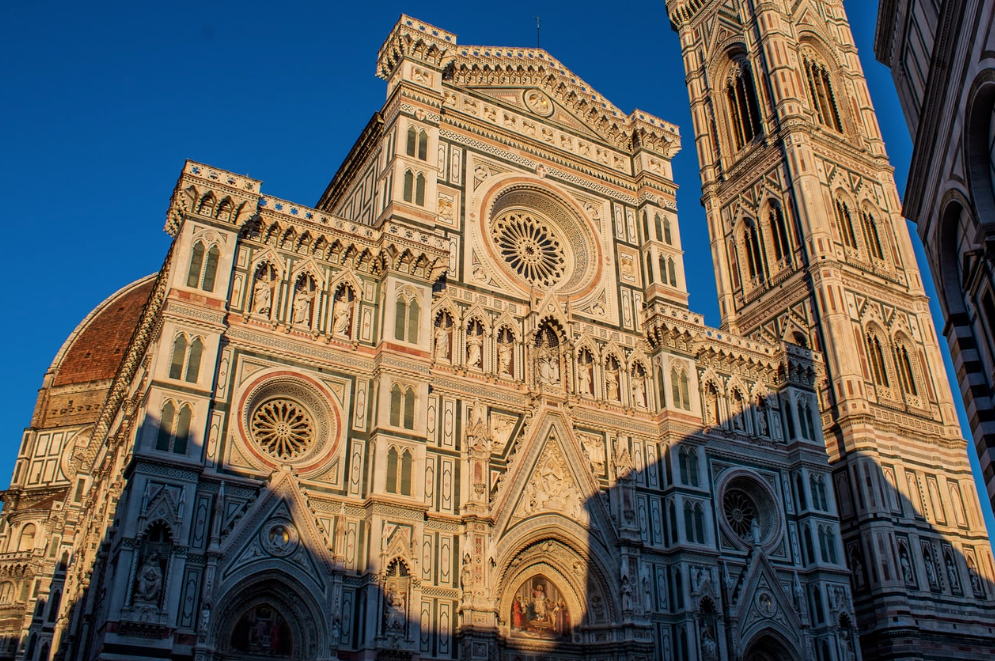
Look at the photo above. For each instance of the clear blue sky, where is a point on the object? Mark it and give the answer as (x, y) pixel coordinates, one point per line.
(102, 102)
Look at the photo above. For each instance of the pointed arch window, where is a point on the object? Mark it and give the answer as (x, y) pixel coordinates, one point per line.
(846, 224)
(658, 224)
(663, 269)
(871, 236)
(820, 89)
(392, 457)
(26, 542)
(409, 185)
(412, 140)
(906, 376)
(672, 271)
(186, 364)
(667, 236)
(406, 462)
(754, 255)
(203, 273)
(407, 317)
(688, 460)
(395, 407)
(680, 388)
(744, 111)
(422, 145)
(174, 428)
(398, 473)
(779, 232)
(420, 189)
(875, 353)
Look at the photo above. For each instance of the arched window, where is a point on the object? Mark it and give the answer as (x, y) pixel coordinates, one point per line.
(663, 269)
(779, 233)
(391, 486)
(680, 389)
(807, 541)
(693, 467)
(658, 223)
(689, 522)
(666, 232)
(789, 419)
(407, 316)
(395, 406)
(754, 255)
(193, 362)
(179, 357)
(846, 224)
(820, 89)
(26, 542)
(699, 523)
(412, 139)
(406, 473)
(420, 190)
(409, 408)
(6, 593)
(682, 460)
(741, 97)
(906, 376)
(800, 492)
(422, 145)
(409, 185)
(806, 419)
(875, 354)
(818, 614)
(203, 274)
(672, 512)
(53, 607)
(174, 428)
(871, 236)
(646, 226)
(672, 271)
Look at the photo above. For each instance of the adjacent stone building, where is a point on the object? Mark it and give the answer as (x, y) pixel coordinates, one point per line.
(942, 58)
(460, 408)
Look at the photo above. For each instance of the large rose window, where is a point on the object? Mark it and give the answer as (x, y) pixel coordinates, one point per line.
(283, 428)
(530, 247)
(740, 511)
(749, 511)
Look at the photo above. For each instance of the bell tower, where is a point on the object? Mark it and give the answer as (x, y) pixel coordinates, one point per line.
(810, 247)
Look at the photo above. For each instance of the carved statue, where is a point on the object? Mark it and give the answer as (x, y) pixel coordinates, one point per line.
(396, 611)
(548, 364)
(638, 389)
(903, 557)
(441, 342)
(709, 648)
(342, 318)
(762, 421)
(710, 405)
(474, 344)
(261, 295)
(504, 358)
(302, 306)
(149, 582)
(466, 573)
(611, 383)
(584, 378)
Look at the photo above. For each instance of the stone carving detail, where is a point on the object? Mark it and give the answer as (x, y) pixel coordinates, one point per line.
(551, 488)
(531, 247)
(279, 537)
(283, 428)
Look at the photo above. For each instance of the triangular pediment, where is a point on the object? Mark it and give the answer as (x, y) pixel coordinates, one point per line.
(762, 602)
(278, 531)
(551, 477)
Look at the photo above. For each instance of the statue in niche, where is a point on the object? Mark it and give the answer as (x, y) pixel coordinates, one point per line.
(638, 386)
(951, 571)
(443, 332)
(647, 586)
(149, 581)
(976, 585)
(585, 377)
(466, 573)
(342, 313)
(506, 353)
(396, 610)
(906, 562)
(548, 357)
(737, 411)
(611, 380)
(711, 405)
(474, 345)
(303, 300)
(709, 647)
(262, 290)
(927, 559)
(762, 427)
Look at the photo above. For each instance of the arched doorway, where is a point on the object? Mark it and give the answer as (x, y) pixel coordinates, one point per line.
(769, 647)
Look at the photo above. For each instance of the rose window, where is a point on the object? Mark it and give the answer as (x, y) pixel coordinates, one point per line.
(530, 247)
(283, 428)
(740, 512)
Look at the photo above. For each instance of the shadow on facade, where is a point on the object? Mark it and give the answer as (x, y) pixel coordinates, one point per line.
(723, 545)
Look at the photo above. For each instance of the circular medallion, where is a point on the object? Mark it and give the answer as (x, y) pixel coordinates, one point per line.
(538, 103)
(765, 604)
(530, 246)
(749, 513)
(283, 428)
(279, 537)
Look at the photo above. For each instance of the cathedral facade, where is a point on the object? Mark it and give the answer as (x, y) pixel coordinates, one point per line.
(459, 408)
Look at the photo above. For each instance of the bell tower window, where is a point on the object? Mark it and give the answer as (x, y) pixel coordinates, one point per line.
(820, 89)
(744, 111)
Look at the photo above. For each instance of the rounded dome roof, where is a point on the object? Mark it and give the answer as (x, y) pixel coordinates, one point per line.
(95, 349)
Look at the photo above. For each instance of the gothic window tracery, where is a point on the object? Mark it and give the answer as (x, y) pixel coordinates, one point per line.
(417, 143)
(875, 354)
(672, 271)
(402, 406)
(658, 225)
(174, 428)
(742, 106)
(688, 466)
(185, 362)
(398, 473)
(817, 485)
(756, 266)
(667, 237)
(203, 273)
(827, 544)
(820, 89)
(663, 269)
(845, 220)
(407, 316)
(283, 428)
(904, 362)
(871, 236)
(694, 522)
(779, 235)
(680, 388)
(531, 247)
